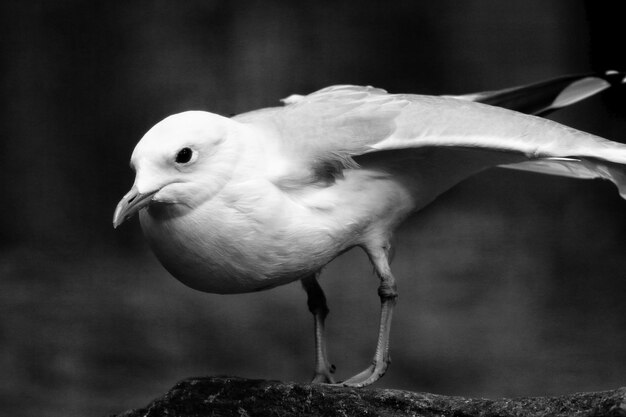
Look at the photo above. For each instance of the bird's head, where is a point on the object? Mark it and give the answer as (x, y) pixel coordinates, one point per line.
(183, 160)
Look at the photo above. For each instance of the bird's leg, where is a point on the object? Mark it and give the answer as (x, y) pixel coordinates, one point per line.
(388, 296)
(317, 305)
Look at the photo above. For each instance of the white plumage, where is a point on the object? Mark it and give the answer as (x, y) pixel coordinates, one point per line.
(271, 196)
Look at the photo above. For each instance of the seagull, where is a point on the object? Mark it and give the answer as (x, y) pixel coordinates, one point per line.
(269, 197)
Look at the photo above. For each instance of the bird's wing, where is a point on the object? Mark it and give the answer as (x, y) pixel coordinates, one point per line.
(322, 132)
(318, 134)
(544, 97)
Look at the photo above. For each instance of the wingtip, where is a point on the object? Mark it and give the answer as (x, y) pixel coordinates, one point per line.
(615, 77)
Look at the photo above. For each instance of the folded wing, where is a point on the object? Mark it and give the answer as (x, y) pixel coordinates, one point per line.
(323, 132)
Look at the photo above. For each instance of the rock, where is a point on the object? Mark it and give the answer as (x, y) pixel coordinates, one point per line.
(231, 396)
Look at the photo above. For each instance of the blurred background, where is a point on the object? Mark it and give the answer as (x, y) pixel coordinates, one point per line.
(511, 284)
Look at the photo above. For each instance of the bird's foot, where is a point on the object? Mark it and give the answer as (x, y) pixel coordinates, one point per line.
(367, 377)
(324, 375)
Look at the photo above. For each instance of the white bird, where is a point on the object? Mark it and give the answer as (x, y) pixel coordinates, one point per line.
(234, 205)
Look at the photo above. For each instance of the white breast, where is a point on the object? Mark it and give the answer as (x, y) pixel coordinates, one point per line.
(254, 236)
(238, 245)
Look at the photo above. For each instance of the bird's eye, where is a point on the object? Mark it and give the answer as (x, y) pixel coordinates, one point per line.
(184, 155)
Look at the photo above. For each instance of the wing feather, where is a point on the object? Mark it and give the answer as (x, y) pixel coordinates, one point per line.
(320, 133)
(544, 97)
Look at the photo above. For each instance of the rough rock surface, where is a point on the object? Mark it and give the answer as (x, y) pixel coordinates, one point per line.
(230, 396)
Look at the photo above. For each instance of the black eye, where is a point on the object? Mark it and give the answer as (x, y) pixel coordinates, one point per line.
(184, 155)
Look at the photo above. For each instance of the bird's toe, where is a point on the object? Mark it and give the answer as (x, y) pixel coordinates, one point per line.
(367, 377)
(325, 375)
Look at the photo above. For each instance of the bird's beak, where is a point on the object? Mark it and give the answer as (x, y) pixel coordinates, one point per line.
(130, 204)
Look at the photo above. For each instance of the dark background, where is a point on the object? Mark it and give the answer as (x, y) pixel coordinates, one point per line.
(510, 284)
